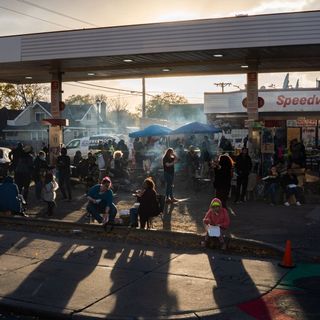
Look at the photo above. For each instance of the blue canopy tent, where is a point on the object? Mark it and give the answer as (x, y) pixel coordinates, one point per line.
(194, 128)
(151, 131)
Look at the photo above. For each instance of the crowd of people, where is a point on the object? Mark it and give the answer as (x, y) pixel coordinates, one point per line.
(190, 157)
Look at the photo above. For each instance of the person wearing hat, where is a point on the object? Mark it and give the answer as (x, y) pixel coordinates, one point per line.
(100, 199)
(216, 216)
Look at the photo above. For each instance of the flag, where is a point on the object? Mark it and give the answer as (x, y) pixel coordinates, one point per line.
(286, 82)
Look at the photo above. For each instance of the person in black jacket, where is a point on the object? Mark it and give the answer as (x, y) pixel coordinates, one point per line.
(23, 172)
(290, 185)
(63, 166)
(242, 168)
(40, 167)
(222, 177)
(149, 206)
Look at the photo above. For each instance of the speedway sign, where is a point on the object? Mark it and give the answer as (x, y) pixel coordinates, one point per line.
(274, 101)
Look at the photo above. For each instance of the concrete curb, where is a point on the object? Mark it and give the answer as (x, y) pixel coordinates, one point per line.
(161, 238)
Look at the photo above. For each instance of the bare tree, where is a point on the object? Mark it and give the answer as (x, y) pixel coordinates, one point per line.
(21, 95)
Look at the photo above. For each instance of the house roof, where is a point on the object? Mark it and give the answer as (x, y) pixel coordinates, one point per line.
(74, 113)
(7, 114)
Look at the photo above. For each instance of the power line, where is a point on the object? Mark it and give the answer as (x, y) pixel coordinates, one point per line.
(56, 12)
(129, 92)
(104, 87)
(30, 16)
(99, 89)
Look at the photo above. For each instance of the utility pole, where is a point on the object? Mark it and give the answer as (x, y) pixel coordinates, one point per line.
(223, 85)
(143, 97)
(98, 105)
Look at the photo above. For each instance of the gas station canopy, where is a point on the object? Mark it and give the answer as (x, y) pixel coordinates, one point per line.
(263, 43)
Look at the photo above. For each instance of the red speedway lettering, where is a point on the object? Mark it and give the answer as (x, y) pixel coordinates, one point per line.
(285, 101)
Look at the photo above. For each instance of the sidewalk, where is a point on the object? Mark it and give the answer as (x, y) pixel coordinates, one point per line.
(81, 279)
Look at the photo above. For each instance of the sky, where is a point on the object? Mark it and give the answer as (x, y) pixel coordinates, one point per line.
(33, 16)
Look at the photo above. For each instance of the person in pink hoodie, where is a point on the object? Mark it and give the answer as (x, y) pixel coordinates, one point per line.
(216, 216)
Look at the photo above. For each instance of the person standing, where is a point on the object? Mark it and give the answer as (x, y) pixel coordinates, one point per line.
(15, 156)
(242, 168)
(168, 162)
(63, 166)
(49, 192)
(297, 153)
(193, 165)
(138, 148)
(124, 148)
(205, 156)
(40, 167)
(222, 177)
(24, 171)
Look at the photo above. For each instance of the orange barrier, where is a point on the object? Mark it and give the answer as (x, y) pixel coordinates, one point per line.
(287, 261)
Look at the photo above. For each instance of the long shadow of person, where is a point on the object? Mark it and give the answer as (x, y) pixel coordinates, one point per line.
(146, 292)
(52, 283)
(238, 288)
(167, 216)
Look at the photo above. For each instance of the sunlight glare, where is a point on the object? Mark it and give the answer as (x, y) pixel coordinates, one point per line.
(176, 16)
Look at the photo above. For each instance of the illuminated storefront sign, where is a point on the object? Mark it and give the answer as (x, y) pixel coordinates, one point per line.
(274, 101)
(302, 123)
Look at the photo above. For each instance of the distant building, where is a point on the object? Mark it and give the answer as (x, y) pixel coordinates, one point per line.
(286, 113)
(28, 128)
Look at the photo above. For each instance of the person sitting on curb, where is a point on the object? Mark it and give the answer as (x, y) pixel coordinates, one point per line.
(290, 186)
(10, 199)
(216, 216)
(100, 199)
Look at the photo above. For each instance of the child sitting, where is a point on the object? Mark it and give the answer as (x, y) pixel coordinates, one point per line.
(218, 217)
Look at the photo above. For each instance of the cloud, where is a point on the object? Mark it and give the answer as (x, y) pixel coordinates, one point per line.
(283, 6)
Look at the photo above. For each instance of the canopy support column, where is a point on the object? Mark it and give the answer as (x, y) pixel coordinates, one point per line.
(55, 131)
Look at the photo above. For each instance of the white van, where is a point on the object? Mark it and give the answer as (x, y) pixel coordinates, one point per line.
(74, 145)
(88, 144)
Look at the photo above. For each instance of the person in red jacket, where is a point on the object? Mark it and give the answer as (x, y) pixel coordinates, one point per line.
(216, 216)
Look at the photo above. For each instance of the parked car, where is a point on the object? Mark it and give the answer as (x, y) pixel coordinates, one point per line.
(5, 155)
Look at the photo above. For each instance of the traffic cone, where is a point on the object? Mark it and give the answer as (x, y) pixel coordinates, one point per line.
(287, 258)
